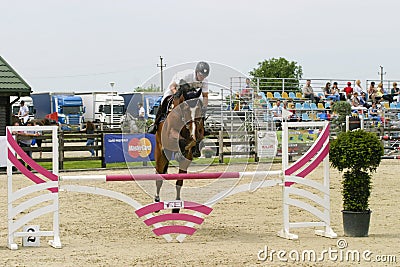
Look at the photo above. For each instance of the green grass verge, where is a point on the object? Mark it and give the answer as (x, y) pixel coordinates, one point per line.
(93, 164)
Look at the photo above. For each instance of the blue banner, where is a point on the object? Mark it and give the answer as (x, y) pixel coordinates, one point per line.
(129, 147)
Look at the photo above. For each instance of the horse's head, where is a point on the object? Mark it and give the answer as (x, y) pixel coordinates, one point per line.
(192, 116)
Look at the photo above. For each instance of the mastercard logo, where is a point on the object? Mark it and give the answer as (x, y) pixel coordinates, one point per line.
(139, 147)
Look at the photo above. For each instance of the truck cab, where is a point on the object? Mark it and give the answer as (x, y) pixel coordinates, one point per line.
(69, 108)
(103, 104)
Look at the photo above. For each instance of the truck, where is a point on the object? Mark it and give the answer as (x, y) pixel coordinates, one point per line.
(68, 106)
(98, 107)
(28, 103)
(148, 99)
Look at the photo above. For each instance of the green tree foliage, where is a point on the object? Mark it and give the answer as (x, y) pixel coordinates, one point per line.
(343, 109)
(278, 68)
(151, 88)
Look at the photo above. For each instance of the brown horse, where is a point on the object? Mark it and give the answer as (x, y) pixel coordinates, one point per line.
(178, 135)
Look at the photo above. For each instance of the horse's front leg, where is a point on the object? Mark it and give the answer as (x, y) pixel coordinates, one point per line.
(161, 160)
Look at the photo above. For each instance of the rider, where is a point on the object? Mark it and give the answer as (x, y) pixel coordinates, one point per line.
(195, 79)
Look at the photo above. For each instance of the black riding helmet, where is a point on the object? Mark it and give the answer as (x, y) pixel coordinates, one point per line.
(203, 68)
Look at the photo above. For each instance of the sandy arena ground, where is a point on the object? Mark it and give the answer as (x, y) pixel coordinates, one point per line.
(99, 231)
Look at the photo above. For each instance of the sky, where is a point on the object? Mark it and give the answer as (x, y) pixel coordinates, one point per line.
(83, 45)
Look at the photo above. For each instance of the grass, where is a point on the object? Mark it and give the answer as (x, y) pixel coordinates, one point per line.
(94, 164)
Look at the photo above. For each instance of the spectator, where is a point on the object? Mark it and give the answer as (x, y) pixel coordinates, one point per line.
(258, 104)
(277, 109)
(336, 91)
(358, 88)
(385, 95)
(277, 113)
(330, 93)
(39, 140)
(141, 111)
(308, 92)
(23, 113)
(89, 129)
(395, 92)
(379, 93)
(363, 100)
(372, 92)
(374, 114)
(355, 101)
(348, 91)
(292, 116)
(246, 93)
(26, 142)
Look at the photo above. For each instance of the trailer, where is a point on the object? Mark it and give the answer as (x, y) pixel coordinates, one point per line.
(68, 107)
(148, 99)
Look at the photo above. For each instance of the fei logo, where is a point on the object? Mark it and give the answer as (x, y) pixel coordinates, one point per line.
(139, 147)
(175, 204)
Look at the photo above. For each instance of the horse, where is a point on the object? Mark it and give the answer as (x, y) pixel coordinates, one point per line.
(178, 134)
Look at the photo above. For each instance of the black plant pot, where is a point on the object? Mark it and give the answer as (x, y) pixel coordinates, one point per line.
(356, 223)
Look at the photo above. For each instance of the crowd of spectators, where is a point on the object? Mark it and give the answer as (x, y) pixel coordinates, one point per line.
(367, 102)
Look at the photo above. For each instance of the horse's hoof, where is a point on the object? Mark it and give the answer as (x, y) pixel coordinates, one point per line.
(175, 210)
(157, 199)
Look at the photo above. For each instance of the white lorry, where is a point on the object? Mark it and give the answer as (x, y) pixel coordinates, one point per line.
(98, 107)
(28, 103)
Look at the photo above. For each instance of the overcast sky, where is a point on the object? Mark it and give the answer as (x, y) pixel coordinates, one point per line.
(82, 45)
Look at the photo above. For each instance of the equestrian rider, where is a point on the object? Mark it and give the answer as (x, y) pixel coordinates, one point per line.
(195, 79)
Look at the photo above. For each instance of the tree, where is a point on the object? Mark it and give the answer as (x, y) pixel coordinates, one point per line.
(151, 88)
(278, 68)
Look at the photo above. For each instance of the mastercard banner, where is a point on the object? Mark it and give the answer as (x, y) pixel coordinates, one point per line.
(129, 147)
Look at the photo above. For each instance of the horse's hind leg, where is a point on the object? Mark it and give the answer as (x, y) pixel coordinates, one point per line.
(178, 185)
(159, 183)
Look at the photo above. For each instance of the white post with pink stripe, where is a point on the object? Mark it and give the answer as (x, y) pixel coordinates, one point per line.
(294, 176)
(45, 187)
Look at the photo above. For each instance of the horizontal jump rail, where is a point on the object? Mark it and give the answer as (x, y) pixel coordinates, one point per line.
(170, 176)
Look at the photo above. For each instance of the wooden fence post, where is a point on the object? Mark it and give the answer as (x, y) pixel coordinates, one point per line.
(60, 150)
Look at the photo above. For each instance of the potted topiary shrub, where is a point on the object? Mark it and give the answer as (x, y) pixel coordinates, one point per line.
(359, 154)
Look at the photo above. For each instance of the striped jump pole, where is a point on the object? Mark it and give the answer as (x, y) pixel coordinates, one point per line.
(169, 176)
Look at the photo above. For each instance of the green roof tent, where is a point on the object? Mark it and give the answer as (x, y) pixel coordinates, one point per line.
(11, 84)
(10, 81)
